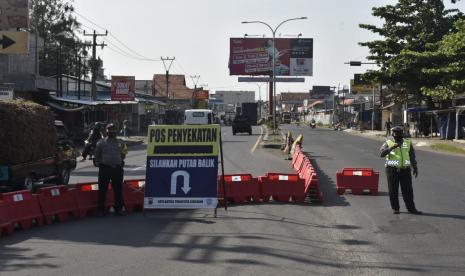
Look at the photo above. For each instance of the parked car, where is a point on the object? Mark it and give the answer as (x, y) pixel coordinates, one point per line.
(241, 124)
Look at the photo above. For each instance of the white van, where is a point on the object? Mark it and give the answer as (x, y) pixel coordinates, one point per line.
(198, 117)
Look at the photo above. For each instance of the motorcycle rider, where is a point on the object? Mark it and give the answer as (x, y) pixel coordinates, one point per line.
(91, 141)
(312, 123)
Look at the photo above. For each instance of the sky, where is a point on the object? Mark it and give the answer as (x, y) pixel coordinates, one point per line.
(197, 32)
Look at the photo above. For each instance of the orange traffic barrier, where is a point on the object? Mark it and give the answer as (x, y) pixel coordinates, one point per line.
(133, 194)
(23, 207)
(282, 187)
(240, 188)
(358, 180)
(6, 227)
(58, 203)
(87, 198)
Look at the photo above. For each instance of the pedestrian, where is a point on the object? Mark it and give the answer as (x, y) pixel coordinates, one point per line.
(109, 157)
(400, 162)
(288, 145)
(388, 126)
(125, 130)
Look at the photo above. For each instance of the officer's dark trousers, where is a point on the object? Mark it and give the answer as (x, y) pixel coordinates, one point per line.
(404, 178)
(115, 174)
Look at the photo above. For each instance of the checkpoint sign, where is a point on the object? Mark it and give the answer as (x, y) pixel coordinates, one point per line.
(182, 167)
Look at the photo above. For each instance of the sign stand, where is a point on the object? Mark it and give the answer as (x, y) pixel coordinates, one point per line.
(222, 176)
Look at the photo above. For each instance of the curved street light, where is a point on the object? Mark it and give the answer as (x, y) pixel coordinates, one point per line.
(273, 80)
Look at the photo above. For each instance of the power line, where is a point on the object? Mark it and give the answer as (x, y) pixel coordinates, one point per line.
(113, 36)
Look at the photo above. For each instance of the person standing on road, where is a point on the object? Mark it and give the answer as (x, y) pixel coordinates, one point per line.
(400, 161)
(109, 157)
(388, 126)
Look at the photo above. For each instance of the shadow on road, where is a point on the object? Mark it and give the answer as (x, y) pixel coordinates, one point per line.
(327, 186)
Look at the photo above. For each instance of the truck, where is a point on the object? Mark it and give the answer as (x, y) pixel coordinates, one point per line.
(44, 154)
(250, 111)
(286, 117)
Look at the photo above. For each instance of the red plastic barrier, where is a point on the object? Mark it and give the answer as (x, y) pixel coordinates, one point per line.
(133, 194)
(23, 207)
(357, 180)
(282, 187)
(297, 151)
(301, 157)
(5, 221)
(240, 188)
(87, 198)
(58, 203)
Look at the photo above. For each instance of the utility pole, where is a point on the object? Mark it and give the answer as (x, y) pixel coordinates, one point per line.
(195, 80)
(167, 69)
(94, 65)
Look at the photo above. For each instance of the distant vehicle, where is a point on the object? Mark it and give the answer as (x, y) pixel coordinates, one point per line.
(198, 117)
(54, 169)
(286, 117)
(241, 124)
(250, 110)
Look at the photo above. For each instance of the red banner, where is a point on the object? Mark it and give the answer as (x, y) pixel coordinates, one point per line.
(201, 95)
(254, 56)
(123, 88)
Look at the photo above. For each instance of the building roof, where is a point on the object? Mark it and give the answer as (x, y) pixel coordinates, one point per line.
(177, 86)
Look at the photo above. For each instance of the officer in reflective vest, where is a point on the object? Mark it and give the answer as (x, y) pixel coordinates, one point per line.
(109, 157)
(400, 163)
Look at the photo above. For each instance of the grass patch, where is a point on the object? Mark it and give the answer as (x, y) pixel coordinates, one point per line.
(448, 148)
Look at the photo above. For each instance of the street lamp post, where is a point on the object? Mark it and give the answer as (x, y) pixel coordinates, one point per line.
(273, 31)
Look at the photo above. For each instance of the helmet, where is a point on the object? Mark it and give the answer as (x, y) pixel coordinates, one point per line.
(397, 132)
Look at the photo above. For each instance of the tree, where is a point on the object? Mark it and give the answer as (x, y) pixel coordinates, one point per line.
(53, 21)
(409, 25)
(444, 63)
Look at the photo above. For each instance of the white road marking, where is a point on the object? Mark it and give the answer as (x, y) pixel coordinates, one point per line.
(139, 168)
(258, 141)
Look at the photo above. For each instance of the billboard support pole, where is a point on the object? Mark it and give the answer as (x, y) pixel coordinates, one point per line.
(222, 175)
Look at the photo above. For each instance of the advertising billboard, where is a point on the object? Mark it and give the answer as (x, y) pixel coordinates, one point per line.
(182, 167)
(254, 56)
(201, 95)
(123, 88)
(14, 14)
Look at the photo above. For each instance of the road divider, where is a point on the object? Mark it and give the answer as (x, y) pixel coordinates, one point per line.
(240, 188)
(23, 208)
(303, 166)
(58, 203)
(358, 180)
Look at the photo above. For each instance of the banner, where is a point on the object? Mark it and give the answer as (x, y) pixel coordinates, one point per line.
(254, 56)
(182, 166)
(201, 95)
(123, 88)
(362, 88)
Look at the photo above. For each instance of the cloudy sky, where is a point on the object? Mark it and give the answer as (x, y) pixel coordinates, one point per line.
(197, 34)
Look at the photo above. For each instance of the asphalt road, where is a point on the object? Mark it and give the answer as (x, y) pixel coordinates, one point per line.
(347, 235)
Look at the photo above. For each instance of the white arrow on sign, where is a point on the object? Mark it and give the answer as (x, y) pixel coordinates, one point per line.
(174, 180)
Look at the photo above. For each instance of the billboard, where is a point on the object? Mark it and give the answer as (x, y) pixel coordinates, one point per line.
(201, 95)
(123, 88)
(363, 88)
(254, 56)
(14, 14)
(182, 166)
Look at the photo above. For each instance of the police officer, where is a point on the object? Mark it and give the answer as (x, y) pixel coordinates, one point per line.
(400, 162)
(109, 156)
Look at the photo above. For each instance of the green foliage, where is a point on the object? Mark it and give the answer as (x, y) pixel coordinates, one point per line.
(53, 21)
(410, 26)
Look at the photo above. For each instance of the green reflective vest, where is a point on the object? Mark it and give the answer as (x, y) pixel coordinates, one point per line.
(399, 157)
